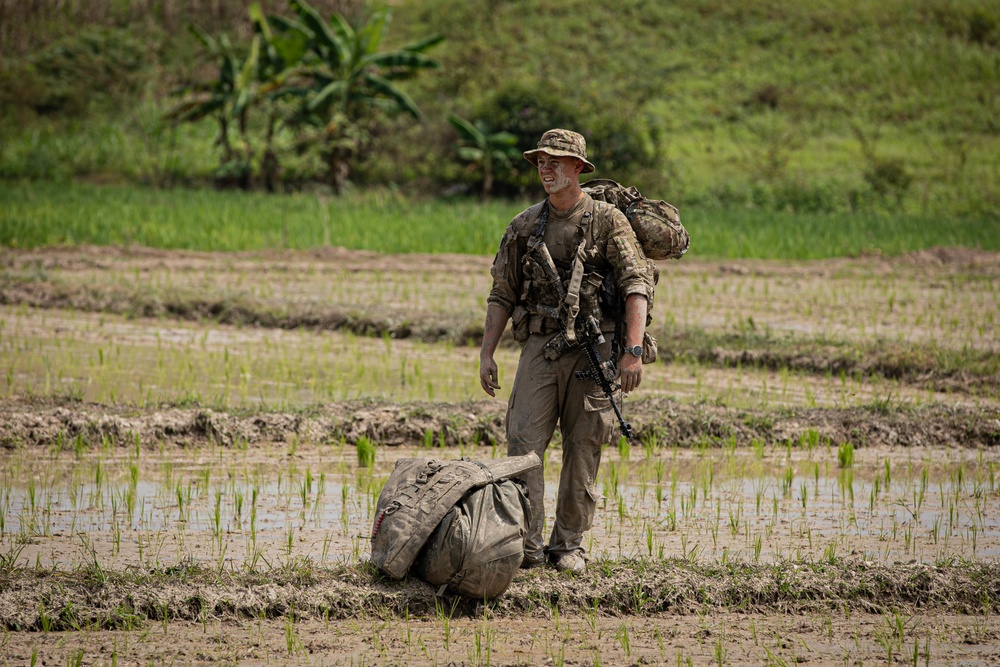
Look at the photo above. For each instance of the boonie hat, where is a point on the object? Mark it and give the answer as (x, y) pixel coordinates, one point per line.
(561, 143)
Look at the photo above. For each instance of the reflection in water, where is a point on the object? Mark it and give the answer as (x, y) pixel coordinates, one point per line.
(236, 507)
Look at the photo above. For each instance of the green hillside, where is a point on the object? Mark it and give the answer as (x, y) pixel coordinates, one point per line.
(802, 106)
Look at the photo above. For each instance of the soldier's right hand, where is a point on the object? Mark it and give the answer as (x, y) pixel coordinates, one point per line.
(489, 375)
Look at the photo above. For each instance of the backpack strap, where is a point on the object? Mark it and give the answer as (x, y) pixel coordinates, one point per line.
(489, 473)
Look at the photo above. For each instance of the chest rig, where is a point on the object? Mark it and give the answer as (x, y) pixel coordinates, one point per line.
(571, 296)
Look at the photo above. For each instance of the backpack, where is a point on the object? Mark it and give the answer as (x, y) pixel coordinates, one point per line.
(478, 538)
(478, 547)
(657, 224)
(658, 229)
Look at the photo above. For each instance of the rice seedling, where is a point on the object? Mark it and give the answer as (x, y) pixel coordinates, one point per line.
(293, 644)
(845, 455)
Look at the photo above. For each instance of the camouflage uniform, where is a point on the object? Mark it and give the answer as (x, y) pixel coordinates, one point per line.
(545, 391)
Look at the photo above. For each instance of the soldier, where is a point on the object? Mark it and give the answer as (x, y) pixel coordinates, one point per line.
(603, 281)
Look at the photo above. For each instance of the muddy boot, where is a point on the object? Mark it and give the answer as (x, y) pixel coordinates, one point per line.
(572, 561)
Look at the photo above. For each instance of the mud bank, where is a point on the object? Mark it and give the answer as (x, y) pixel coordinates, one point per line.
(26, 422)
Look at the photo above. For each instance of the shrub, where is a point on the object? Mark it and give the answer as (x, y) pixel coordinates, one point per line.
(617, 145)
(525, 111)
(98, 65)
(966, 21)
(888, 177)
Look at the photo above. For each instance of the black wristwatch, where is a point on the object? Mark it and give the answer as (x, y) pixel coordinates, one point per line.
(635, 350)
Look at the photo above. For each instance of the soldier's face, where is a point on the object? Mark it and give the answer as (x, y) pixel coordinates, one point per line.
(557, 173)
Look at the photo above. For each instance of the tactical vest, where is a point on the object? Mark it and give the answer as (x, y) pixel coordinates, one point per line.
(565, 295)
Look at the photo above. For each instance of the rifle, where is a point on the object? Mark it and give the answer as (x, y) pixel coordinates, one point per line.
(602, 372)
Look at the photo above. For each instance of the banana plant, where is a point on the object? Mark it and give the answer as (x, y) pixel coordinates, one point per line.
(353, 82)
(259, 77)
(484, 150)
(284, 43)
(226, 100)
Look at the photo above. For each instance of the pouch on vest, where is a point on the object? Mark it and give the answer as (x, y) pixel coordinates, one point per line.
(649, 348)
(519, 324)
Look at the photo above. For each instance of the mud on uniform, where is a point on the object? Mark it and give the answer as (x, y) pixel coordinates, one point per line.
(545, 391)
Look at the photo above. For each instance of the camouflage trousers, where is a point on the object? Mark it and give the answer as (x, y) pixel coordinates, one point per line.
(546, 393)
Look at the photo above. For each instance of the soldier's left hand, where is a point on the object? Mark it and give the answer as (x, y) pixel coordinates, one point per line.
(629, 372)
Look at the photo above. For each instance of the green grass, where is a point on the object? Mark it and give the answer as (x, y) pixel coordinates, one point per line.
(40, 214)
(738, 233)
(45, 214)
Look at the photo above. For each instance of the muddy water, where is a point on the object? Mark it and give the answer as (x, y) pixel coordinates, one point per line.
(269, 504)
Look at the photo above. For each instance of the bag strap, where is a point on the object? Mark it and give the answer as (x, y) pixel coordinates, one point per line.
(489, 473)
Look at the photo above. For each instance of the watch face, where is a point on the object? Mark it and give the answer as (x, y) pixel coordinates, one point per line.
(636, 350)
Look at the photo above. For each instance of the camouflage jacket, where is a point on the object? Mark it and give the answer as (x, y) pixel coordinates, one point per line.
(611, 249)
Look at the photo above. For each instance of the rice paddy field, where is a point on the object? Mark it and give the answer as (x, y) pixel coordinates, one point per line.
(193, 443)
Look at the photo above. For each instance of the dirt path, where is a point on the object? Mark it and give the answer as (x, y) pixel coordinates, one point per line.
(708, 639)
